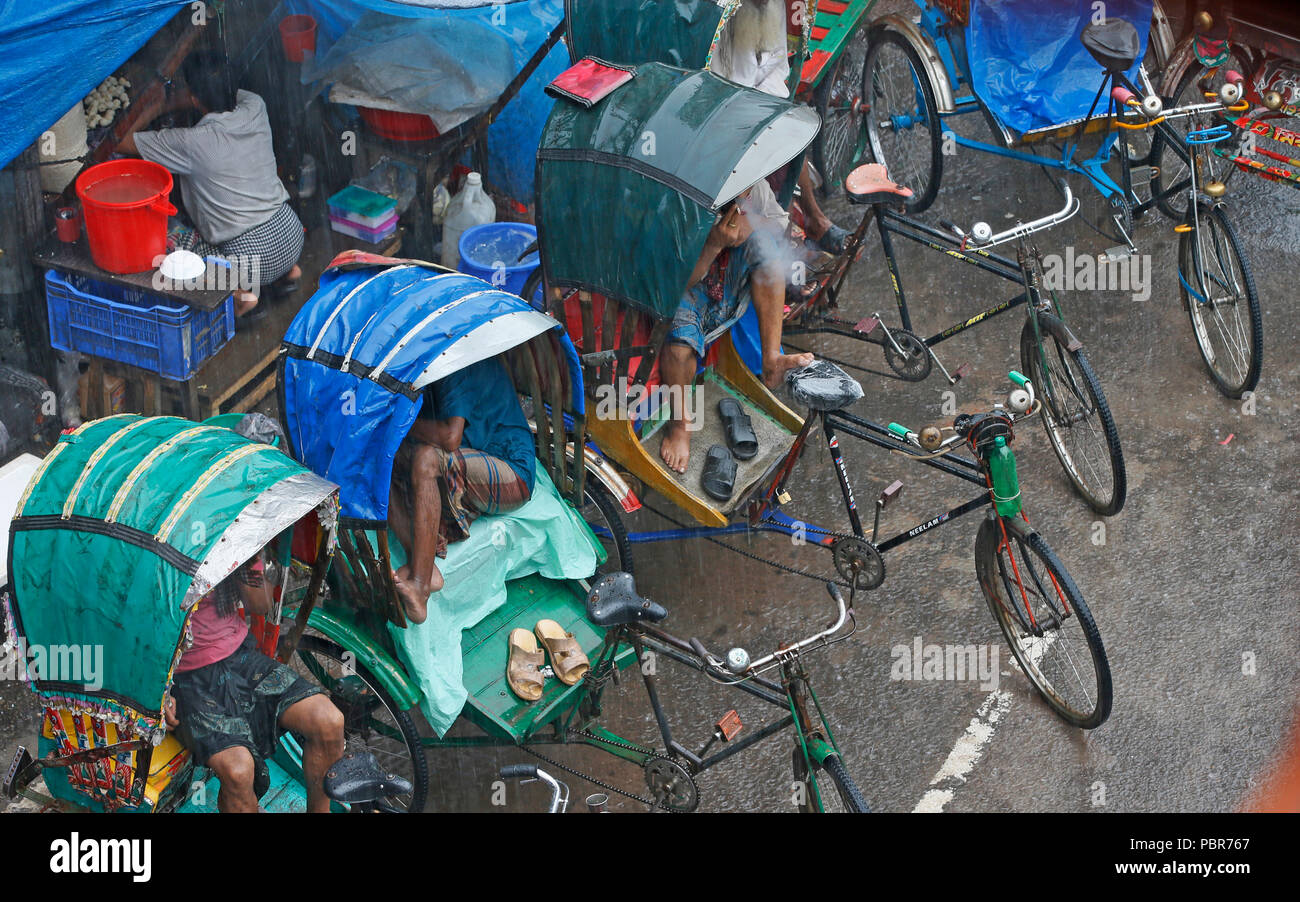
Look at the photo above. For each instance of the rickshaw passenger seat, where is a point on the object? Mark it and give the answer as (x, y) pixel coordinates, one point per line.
(1114, 43)
(613, 601)
(870, 184)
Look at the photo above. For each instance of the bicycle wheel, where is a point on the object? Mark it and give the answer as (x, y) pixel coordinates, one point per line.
(1170, 168)
(1045, 620)
(846, 799)
(1076, 416)
(603, 515)
(1219, 296)
(372, 720)
(903, 130)
(842, 139)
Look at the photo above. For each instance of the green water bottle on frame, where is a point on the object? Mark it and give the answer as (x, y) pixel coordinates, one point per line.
(1006, 485)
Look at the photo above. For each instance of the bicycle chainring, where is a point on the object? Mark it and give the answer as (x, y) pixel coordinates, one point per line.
(914, 363)
(858, 562)
(672, 783)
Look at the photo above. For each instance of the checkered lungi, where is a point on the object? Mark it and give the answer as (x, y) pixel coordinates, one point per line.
(269, 250)
(472, 484)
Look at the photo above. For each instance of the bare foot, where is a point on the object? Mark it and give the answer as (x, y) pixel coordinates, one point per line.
(415, 597)
(675, 448)
(245, 301)
(296, 272)
(774, 370)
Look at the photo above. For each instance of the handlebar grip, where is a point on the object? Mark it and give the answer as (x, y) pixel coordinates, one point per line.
(699, 648)
(1017, 378)
(951, 226)
(835, 594)
(1233, 77)
(519, 772)
(899, 430)
(1122, 95)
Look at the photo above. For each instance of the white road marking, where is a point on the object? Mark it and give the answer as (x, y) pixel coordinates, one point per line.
(970, 745)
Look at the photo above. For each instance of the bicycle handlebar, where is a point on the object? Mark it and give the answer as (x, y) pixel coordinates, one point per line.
(1021, 402)
(738, 663)
(982, 234)
(526, 772)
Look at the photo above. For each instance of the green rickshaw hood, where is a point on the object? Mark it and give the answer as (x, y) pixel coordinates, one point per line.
(628, 189)
(124, 526)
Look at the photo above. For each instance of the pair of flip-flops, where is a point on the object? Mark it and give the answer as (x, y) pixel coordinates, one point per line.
(569, 662)
(718, 477)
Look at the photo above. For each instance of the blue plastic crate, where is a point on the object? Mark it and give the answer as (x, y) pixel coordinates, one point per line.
(132, 326)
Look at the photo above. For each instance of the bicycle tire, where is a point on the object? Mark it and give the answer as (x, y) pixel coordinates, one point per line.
(922, 196)
(850, 796)
(1062, 406)
(617, 540)
(418, 772)
(531, 284)
(837, 161)
(1249, 347)
(995, 581)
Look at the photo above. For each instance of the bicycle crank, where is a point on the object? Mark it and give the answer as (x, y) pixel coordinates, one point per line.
(671, 785)
(858, 562)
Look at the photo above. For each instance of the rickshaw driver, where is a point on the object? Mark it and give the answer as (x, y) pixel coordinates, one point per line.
(228, 699)
(744, 246)
(472, 435)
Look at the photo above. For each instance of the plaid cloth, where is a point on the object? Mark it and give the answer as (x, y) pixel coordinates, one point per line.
(272, 247)
(472, 484)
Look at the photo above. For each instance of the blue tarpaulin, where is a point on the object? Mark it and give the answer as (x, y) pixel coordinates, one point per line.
(1028, 65)
(57, 51)
(525, 24)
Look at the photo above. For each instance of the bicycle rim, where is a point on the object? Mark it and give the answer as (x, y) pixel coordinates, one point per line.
(903, 129)
(1219, 294)
(1045, 621)
(842, 139)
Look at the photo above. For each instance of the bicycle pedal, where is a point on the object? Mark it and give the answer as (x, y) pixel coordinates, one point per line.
(867, 325)
(961, 372)
(1115, 254)
(729, 725)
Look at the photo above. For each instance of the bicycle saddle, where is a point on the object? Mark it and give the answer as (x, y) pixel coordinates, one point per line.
(870, 184)
(821, 385)
(357, 778)
(1114, 43)
(613, 601)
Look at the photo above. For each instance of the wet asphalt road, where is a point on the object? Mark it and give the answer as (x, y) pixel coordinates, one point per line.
(1196, 577)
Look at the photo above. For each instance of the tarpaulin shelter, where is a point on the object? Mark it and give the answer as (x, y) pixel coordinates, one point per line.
(57, 51)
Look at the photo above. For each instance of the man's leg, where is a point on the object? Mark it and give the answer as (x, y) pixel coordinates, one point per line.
(418, 531)
(235, 769)
(677, 366)
(816, 222)
(767, 288)
(320, 724)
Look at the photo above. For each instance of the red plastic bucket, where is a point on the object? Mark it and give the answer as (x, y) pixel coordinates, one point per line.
(298, 35)
(124, 203)
(399, 126)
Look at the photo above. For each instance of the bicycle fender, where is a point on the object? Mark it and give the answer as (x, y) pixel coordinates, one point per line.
(390, 674)
(934, 69)
(1058, 328)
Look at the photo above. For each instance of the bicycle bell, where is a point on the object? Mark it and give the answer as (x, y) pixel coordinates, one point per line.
(1230, 93)
(1152, 106)
(737, 661)
(1018, 400)
(981, 232)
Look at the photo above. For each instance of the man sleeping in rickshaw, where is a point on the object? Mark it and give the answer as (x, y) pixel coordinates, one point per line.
(230, 702)
(744, 250)
(471, 433)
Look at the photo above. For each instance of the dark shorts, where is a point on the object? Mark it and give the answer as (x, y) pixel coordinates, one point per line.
(236, 701)
(472, 484)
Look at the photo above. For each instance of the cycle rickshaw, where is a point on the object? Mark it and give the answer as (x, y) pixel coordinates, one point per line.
(1084, 89)
(714, 140)
(354, 364)
(124, 526)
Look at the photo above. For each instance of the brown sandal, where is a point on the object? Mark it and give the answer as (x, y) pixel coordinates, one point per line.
(523, 669)
(568, 660)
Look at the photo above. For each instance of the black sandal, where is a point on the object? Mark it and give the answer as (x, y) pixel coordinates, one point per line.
(738, 429)
(719, 474)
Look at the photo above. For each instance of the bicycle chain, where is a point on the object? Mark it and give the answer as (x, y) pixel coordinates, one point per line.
(651, 755)
(796, 571)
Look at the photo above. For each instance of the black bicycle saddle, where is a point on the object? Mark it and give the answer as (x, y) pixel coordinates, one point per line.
(357, 778)
(821, 385)
(1114, 43)
(613, 601)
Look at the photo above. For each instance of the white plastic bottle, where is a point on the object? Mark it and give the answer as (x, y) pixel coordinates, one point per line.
(467, 209)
